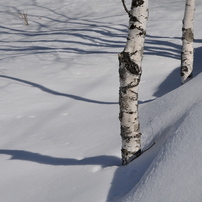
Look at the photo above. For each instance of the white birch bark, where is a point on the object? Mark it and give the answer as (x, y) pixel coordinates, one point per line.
(130, 73)
(187, 56)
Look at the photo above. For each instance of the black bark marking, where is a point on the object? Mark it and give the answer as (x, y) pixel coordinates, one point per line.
(132, 26)
(122, 73)
(128, 156)
(134, 19)
(130, 65)
(120, 116)
(124, 103)
(184, 69)
(127, 138)
(188, 34)
(142, 31)
(190, 76)
(133, 68)
(125, 132)
(125, 88)
(137, 3)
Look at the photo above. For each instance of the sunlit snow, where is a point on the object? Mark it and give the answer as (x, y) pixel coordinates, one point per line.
(59, 135)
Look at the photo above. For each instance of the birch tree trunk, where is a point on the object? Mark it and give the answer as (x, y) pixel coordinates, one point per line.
(187, 56)
(130, 73)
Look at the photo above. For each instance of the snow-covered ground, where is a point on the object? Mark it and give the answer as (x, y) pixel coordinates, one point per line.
(59, 134)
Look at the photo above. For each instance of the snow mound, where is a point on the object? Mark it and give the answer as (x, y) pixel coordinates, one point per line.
(175, 174)
(59, 134)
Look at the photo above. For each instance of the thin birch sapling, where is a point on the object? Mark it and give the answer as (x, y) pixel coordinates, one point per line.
(187, 55)
(130, 70)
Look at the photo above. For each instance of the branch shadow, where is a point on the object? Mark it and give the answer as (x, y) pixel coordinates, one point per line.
(81, 36)
(60, 33)
(104, 40)
(50, 91)
(104, 161)
(161, 46)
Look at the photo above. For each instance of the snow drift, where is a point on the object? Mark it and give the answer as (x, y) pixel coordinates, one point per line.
(175, 174)
(59, 134)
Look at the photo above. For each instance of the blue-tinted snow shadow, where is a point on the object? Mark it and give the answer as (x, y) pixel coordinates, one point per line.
(106, 39)
(197, 59)
(173, 80)
(75, 38)
(104, 161)
(165, 47)
(75, 97)
(50, 91)
(162, 46)
(125, 177)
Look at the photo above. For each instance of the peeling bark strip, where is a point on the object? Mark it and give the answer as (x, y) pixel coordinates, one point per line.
(130, 71)
(187, 55)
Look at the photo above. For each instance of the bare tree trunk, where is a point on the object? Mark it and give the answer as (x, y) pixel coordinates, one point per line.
(187, 41)
(130, 73)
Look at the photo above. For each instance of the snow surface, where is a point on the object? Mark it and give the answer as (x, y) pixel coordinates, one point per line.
(59, 135)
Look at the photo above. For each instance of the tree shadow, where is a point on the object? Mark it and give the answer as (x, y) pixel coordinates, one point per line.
(173, 80)
(165, 47)
(75, 97)
(105, 40)
(197, 59)
(127, 177)
(104, 161)
(50, 91)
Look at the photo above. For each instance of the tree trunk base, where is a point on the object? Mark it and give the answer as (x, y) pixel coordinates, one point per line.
(126, 159)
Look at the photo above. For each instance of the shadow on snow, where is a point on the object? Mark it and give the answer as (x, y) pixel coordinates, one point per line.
(47, 90)
(173, 80)
(105, 39)
(126, 177)
(104, 161)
